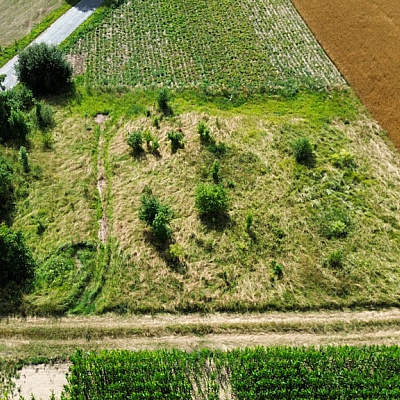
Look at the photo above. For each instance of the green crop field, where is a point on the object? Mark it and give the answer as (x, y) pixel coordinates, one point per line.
(260, 373)
(260, 45)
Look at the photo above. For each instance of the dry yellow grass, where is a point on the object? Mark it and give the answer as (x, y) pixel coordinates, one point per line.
(19, 16)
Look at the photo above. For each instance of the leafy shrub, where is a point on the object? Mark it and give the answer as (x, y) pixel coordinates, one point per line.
(156, 215)
(335, 223)
(277, 269)
(16, 262)
(43, 69)
(44, 116)
(152, 143)
(6, 188)
(249, 221)
(303, 150)
(135, 141)
(156, 122)
(335, 259)
(163, 99)
(211, 200)
(218, 149)
(23, 159)
(344, 159)
(176, 139)
(204, 131)
(215, 171)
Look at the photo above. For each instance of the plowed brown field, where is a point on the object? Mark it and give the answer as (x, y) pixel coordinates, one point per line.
(362, 37)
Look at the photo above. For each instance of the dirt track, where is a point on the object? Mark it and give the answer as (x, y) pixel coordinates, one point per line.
(362, 38)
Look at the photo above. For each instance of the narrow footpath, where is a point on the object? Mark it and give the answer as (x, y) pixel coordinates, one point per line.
(55, 34)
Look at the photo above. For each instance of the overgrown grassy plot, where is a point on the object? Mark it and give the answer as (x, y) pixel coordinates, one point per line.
(260, 373)
(257, 45)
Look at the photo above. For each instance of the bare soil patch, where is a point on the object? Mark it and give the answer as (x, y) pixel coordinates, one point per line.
(41, 381)
(362, 38)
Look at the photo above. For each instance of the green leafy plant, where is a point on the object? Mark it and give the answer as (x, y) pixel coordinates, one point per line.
(23, 159)
(215, 171)
(303, 151)
(334, 259)
(135, 141)
(211, 200)
(44, 116)
(176, 138)
(249, 221)
(335, 223)
(156, 215)
(163, 99)
(16, 262)
(344, 159)
(204, 131)
(277, 269)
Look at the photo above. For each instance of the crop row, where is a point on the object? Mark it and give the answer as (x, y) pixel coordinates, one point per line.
(251, 44)
(260, 373)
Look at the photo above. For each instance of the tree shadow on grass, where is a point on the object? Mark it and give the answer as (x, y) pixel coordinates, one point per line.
(217, 222)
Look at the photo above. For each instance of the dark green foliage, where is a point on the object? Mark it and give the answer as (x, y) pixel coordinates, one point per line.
(176, 139)
(16, 262)
(335, 259)
(13, 121)
(277, 269)
(23, 159)
(303, 151)
(211, 200)
(44, 116)
(218, 149)
(44, 69)
(156, 215)
(215, 171)
(163, 99)
(6, 188)
(249, 221)
(135, 141)
(204, 131)
(335, 223)
(152, 143)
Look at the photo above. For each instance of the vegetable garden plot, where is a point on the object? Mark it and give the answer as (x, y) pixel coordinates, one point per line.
(260, 373)
(252, 45)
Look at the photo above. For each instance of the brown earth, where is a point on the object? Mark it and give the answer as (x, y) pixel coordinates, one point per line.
(362, 38)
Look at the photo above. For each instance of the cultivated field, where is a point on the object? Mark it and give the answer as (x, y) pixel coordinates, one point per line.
(258, 45)
(19, 16)
(362, 39)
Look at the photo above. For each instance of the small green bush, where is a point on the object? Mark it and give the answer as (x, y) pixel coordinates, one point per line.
(152, 143)
(335, 259)
(16, 262)
(303, 150)
(277, 269)
(218, 149)
(215, 171)
(23, 159)
(44, 116)
(344, 159)
(249, 221)
(135, 141)
(157, 216)
(335, 223)
(204, 131)
(176, 139)
(163, 99)
(211, 200)
(6, 188)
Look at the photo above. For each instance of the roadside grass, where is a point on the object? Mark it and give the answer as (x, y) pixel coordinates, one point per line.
(23, 21)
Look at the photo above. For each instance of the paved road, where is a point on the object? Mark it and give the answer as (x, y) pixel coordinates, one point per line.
(55, 34)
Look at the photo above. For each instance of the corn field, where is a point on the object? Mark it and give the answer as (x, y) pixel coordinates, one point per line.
(251, 45)
(259, 373)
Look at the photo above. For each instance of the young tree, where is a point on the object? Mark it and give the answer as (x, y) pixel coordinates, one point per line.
(43, 69)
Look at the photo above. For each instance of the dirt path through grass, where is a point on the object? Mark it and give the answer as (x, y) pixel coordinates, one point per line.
(362, 38)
